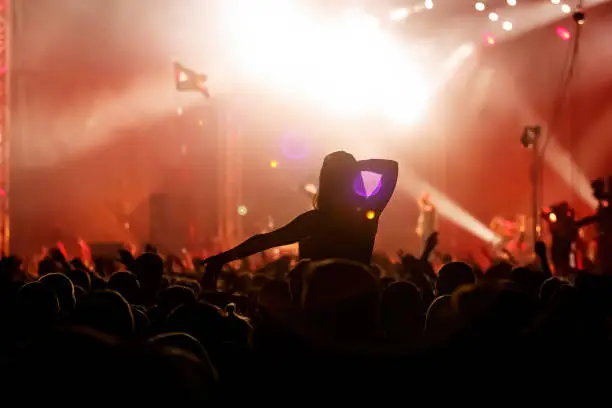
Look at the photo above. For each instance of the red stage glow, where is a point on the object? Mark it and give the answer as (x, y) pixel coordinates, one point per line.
(563, 33)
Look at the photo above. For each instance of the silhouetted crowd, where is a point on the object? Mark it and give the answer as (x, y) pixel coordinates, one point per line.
(299, 332)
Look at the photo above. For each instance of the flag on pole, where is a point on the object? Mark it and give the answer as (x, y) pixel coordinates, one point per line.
(188, 80)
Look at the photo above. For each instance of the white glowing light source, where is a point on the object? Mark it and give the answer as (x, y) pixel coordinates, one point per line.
(480, 6)
(348, 65)
(566, 9)
(242, 210)
(555, 1)
(179, 111)
(399, 14)
(493, 16)
(511, 3)
(507, 25)
(429, 4)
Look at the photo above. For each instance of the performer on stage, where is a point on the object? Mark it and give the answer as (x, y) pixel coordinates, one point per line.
(428, 219)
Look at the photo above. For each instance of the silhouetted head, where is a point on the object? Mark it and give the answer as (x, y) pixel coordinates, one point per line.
(175, 296)
(48, 265)
(11, 267)
(442, 321)
(494, 309)
(527, 281)
(181, 341)
(78, 263)
(141, 320)
(336, 182)
(149, 268)
(452, 276)
(275, 299)
(401, 299)
(499, 271)
(37, 306)
(186, 347)
(550, 287)
(80, 277)
(106, 311)
(340, 302)
(126, 283)
(401, 311)
(63, 288)
(202, 320)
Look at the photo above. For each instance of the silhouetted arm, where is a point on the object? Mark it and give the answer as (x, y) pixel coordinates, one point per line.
(388, 169)
(301, 227)
(541, 251)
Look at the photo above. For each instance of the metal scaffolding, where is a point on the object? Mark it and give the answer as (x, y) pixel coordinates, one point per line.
(5, 41)
(229, 184)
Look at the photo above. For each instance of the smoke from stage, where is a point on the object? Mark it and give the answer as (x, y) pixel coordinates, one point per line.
(104, 148)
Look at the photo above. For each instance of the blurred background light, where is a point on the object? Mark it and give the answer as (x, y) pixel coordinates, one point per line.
(399, 14)
(563, 33)
(242, 210)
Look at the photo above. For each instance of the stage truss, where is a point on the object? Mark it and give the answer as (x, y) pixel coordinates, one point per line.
(5, 41)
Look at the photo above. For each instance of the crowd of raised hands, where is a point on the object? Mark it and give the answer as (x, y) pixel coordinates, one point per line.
(297, 332)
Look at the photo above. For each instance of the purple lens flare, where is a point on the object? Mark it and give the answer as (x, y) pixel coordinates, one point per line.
(367, 184)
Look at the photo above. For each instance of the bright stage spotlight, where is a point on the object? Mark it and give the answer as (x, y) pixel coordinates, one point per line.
(480, 6)
(561, 161)
(555, 1)
(353, 68)
(507, 25)
(566, 9)
(399, 14)
(429, 4)
(511, 3)
(447, 208)
(493, 16)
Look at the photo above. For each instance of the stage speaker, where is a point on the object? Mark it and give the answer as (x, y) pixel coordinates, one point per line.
(105, 249)
(173, 222)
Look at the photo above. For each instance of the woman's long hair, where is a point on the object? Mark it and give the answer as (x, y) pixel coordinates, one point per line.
(336, 182)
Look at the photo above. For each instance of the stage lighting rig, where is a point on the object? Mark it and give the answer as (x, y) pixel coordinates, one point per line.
(530, 136)
(578, 16)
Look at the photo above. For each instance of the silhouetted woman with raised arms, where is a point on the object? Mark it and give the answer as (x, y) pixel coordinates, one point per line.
(343, 223)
